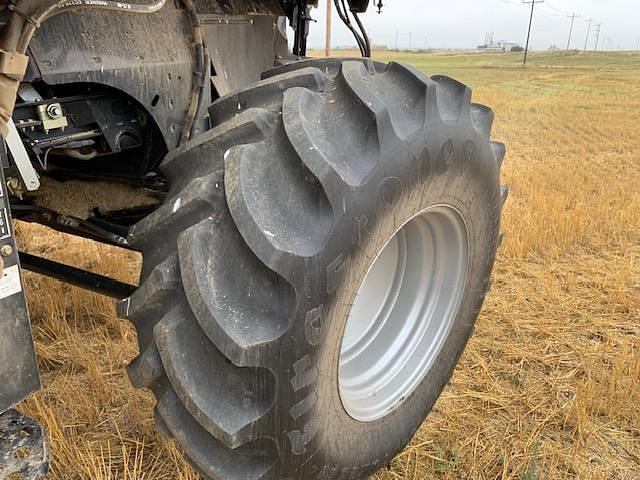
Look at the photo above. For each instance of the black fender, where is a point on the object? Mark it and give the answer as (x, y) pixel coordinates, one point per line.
(151, 59)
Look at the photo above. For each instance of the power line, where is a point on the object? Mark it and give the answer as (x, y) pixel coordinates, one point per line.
(563, 12)
(573, 17)
(607, 43)
(550, 11)
(533, 5)
(508, 2)
(552, 15)
(549, 16)
(599, 26)
(588, 31)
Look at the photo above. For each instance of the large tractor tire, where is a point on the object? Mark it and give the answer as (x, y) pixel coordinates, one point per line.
(317, 271)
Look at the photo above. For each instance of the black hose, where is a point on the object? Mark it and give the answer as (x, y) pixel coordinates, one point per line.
(201, 97)
(365, 37)
(344, 16)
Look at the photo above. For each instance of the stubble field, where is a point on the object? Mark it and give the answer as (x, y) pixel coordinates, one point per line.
(549, 386)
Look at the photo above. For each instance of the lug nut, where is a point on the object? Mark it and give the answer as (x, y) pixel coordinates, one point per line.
(6, 250)
(54, 110)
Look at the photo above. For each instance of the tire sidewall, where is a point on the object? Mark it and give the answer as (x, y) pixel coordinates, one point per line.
(453, 167)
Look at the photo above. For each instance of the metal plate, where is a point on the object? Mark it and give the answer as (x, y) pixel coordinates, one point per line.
(18, 368)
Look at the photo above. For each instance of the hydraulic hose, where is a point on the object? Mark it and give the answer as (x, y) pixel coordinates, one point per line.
(365, 37)
(198, 82)
(363, 41)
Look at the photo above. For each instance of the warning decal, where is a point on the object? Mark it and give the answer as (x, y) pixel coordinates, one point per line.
(10, 282)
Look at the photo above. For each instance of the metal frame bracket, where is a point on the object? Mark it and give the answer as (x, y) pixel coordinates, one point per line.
(29, 176)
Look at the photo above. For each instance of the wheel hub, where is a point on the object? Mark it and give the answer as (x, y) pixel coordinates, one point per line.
(403, 313)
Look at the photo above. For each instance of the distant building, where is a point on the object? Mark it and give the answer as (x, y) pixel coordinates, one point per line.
(501, 46)
(491, 47)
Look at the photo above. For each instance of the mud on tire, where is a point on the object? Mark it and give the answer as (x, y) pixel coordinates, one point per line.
(251, 266)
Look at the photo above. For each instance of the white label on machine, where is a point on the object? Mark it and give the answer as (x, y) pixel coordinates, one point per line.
(5, 231)
(10, 282)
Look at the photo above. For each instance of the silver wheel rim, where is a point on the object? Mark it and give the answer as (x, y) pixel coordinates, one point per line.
(403, 313)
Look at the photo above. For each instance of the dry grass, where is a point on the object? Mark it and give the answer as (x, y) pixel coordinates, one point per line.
(548, 386)
(99, 426)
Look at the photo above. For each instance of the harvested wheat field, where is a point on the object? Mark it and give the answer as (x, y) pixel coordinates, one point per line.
(549, 386)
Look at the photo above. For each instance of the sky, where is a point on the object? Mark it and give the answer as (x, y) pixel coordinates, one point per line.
(464, 23)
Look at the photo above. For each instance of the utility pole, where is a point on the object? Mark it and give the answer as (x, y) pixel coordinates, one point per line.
(588, 31)
(396, 40)
(327, 43)
(410, 38)
(526, 48)
(573, 16)
(599, 26)
(638, 46)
